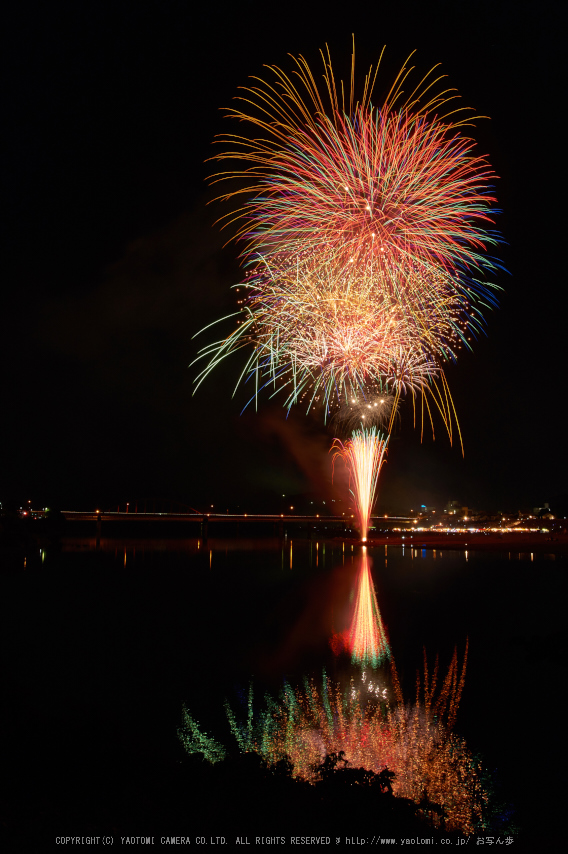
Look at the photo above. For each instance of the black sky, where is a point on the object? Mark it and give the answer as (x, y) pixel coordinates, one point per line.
(112, 262)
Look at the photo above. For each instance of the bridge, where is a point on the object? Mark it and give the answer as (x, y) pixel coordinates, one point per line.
(279, 520)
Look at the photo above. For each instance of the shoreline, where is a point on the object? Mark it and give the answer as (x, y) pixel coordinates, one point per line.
(549, 543)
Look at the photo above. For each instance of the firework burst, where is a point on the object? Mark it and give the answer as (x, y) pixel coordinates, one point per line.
(329, 334)
(371, 408)
(324, 173)
(366, 232)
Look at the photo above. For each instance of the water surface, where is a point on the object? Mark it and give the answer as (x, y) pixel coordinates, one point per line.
(103, 645)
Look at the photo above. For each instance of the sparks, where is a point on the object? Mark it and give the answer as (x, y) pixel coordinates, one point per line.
(364, 454)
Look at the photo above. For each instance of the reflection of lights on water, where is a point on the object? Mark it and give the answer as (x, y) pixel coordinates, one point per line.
(368, 642)
(371, 688)
(414, 741)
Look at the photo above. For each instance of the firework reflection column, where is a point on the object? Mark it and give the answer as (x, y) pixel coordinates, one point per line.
(368, 641)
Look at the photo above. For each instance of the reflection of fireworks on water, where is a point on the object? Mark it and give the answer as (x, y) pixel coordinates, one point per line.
(364, 455)
(416, 742)
(366, 639)
(367, 636)
(374, 688)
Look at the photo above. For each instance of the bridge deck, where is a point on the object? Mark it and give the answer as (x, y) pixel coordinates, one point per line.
(94, 516)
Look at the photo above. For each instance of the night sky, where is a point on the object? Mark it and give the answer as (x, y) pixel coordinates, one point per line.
(112, 262)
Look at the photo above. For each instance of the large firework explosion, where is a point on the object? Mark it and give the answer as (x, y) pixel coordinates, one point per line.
(335, 174)
(365, 232)
(327, 333)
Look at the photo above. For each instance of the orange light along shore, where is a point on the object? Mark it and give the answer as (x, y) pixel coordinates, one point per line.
(534, 541)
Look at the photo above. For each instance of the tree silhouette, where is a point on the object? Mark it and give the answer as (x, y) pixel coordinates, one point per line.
(329, 765)
(384, 780)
